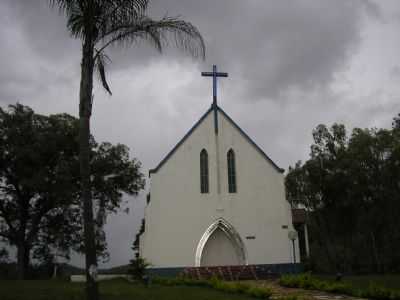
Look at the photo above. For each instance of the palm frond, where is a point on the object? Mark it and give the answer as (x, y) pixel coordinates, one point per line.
(63, 5)
(101, 62)
(115, 12)
(74, 12)
(99, 15)
(108, 22)
(160, 33)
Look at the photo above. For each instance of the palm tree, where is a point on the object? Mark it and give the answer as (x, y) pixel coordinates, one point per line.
(100, 24)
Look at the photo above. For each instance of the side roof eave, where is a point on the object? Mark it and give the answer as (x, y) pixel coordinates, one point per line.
(180, 142)
(280, 170)
(197, 124)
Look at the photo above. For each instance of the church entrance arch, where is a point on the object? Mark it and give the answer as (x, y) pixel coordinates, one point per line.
(220, 245)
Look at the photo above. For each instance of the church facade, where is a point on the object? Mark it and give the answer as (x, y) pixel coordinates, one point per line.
(217, 199)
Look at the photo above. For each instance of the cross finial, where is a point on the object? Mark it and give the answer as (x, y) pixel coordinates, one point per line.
(214, 74)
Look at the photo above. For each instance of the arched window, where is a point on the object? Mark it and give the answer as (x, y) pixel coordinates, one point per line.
(231, 171)
(203, 171)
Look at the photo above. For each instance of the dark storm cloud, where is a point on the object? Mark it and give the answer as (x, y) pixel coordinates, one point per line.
(270, 46)
(395, 72)
(267, 46)
(44, 30)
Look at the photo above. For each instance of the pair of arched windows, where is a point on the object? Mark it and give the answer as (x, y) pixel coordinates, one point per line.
(204, 172)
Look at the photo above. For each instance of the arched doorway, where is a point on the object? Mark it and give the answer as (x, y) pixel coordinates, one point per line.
(220, 245)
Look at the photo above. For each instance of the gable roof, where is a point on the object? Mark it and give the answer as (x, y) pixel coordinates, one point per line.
(165, 159)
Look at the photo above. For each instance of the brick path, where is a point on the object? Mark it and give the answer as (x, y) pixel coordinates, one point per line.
(279, 291)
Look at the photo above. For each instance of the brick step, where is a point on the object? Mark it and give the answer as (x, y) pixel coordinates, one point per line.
(246, 272)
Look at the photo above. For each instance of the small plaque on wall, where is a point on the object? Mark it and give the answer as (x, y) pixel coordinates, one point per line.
(250, 237)
(284, 226)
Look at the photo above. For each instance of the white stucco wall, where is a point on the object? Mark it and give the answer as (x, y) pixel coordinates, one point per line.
(178, 214)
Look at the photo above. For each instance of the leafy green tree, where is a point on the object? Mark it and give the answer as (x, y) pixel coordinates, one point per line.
(3, 255)
(40, 203)
(396, 122)
(350, 187)
(100, 24)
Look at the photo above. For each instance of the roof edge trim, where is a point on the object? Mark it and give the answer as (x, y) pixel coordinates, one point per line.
(280, 170)
(163, 161)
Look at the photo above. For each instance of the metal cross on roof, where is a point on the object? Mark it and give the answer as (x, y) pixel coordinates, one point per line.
(214, 74)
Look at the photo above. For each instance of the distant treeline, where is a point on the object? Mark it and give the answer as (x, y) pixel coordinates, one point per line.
(350, 187)
(46, 270)
(9, 270)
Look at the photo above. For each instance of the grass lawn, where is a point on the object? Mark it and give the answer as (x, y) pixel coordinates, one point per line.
(361, 281)
(109, 290)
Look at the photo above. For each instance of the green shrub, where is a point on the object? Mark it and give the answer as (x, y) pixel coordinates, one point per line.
(217, 284)
(395, 295)
(226, 287)
(137, 267)
(241, 287)
(288, 281)
(260, 293)
(292, 297)
(377, 292)
(341, 288)
(289, 297)
(306, 281)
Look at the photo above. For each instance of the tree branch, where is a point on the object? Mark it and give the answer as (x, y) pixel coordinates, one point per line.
(7, 236)
(46, 207)
(4, 215)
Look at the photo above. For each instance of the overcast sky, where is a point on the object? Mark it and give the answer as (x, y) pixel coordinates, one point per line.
(292, 65)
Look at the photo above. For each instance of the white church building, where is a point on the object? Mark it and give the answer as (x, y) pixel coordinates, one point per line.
(217, 199)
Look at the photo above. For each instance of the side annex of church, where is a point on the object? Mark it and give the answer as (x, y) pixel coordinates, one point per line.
(217, 199)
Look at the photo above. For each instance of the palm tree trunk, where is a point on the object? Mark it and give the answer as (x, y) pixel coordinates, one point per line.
(85, 109)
